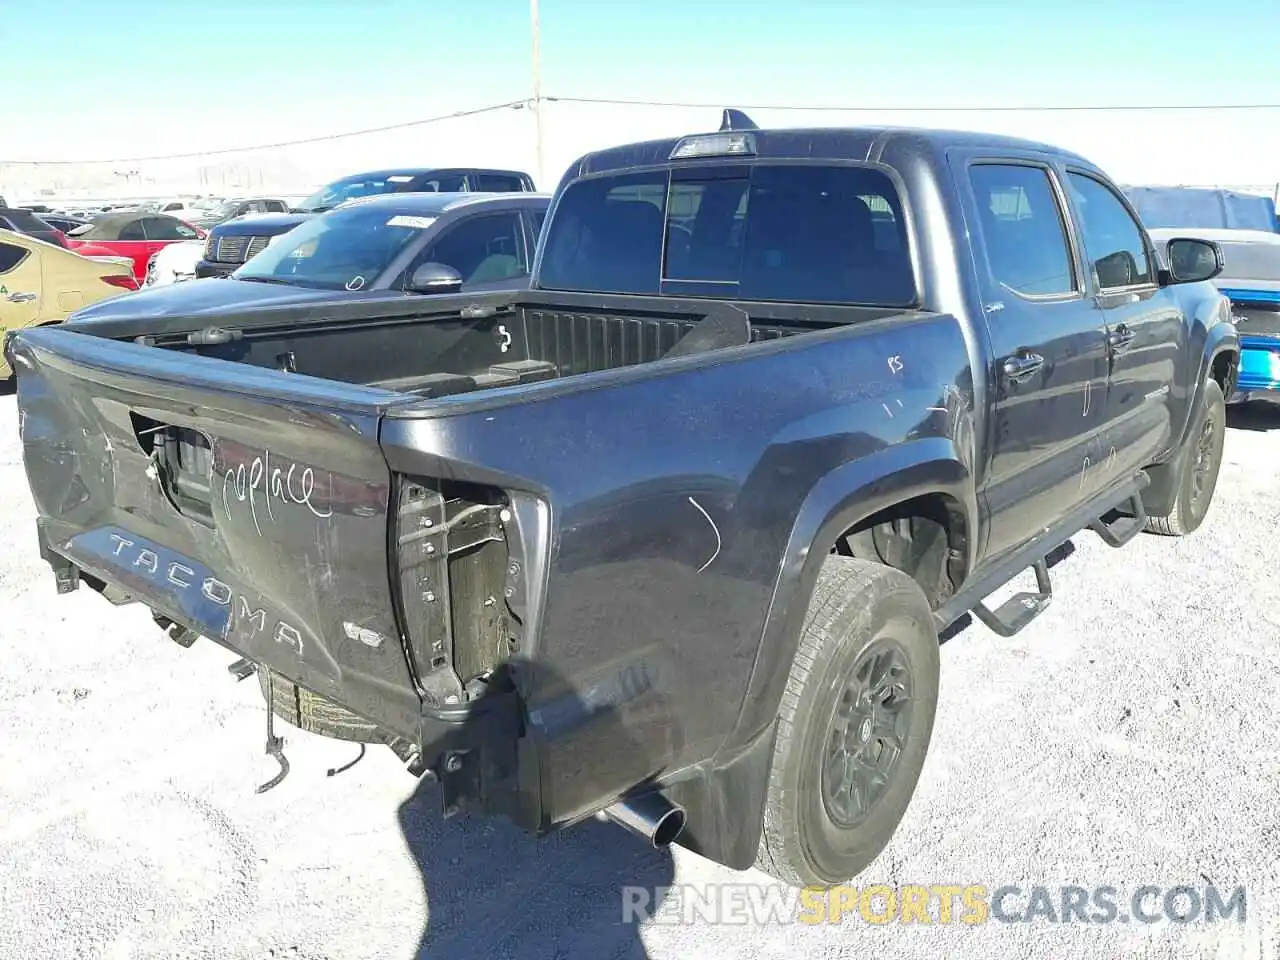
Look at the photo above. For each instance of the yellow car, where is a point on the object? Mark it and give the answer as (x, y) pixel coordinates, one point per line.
(42, 283)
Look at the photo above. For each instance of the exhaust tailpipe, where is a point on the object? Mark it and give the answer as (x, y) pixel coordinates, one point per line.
(649, 815)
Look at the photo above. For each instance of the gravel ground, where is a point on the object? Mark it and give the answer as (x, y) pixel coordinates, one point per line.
(1125, 738)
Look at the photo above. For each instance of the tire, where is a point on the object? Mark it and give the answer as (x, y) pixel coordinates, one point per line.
(859, 613)
(314, 713)
(1199, 462)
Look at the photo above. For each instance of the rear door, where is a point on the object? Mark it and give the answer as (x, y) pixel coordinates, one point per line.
(1141, 324)
(246, 504)
(1049, 375)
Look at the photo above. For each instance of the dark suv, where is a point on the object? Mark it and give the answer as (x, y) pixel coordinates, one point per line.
(230, 244)
(20, 220)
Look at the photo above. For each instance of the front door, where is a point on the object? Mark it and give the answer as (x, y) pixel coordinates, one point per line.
(1049, 374)
(1141, 324)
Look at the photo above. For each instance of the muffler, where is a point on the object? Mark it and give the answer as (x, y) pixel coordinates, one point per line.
(649, 815)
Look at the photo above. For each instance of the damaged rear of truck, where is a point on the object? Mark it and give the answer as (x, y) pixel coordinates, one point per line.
(670, 536)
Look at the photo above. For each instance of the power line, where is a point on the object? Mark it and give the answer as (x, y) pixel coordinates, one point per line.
(511, 104)
(690, 105)
(1083, 108)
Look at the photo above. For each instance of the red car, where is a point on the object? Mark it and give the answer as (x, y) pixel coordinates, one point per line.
(134, 235)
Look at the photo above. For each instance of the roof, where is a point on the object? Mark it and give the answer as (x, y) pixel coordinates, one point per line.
(434, 204)
(832, 143)
(108, 226)
(423, 171)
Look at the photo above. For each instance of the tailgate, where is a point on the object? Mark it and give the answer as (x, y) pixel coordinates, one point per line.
(246, 504)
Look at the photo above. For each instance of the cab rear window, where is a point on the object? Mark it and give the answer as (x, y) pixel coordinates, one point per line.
(753, 231)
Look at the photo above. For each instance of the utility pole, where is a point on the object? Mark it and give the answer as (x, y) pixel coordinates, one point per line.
(537, 91)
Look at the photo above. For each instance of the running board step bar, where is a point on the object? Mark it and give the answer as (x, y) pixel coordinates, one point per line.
(1123, 529)
(1020, 609)
(1014, 614)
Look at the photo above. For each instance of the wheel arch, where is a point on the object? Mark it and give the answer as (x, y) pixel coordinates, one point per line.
(1220, 361)
(725, 797)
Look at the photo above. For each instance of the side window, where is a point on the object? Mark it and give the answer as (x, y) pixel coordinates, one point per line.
(10, 256)
(133, 230)
(454, 184)
(539, 221)
(482, 249)
(276, 206)
(171, 206)
(498, 183)
(1023, 229)
(1112, 238)
(160, 229)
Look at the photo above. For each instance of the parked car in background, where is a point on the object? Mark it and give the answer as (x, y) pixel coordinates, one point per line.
(21, 220)
(1250, 279)
(137, 236)
(239, 207)
(231, 244)
(382, 248)
(41, 282)
(173, 263)
(1204, 207)
(187, 209)
(63, 222)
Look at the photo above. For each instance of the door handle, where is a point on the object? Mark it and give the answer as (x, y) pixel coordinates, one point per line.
(1120, 337)
(21, 297)
(1021, 365)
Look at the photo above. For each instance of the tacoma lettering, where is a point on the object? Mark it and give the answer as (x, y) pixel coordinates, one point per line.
(240, 613)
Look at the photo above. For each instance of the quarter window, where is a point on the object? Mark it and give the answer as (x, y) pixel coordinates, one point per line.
(1112, 238)
(1023, 229)
(10, 256)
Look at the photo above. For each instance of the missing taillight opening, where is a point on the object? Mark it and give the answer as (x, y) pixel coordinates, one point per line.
(450, 543)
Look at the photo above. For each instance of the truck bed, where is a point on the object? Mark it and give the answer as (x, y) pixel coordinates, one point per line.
(467, 343)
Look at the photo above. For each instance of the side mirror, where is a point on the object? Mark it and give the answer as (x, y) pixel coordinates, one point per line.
(434, 278)
(1191, 260)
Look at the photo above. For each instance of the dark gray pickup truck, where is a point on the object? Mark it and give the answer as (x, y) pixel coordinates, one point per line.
(671, 537)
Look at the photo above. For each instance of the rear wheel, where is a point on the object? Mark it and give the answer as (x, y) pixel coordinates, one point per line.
(854, 725)
(314, 713)
(1199, 463)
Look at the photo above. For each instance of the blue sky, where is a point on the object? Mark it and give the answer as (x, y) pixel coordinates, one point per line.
(177, 75)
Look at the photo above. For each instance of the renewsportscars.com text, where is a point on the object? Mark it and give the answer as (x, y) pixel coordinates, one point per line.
(966, 904)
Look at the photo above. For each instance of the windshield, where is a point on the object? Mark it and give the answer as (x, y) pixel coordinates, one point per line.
(326, 198)
(225, 209)
(347, 249)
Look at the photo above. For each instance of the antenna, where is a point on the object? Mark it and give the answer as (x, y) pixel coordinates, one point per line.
(736, 120)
